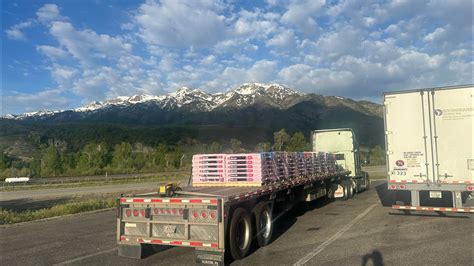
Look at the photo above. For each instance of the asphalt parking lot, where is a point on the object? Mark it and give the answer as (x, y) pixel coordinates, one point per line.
(361, 231)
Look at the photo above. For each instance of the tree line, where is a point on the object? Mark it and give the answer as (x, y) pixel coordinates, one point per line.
(57, 159)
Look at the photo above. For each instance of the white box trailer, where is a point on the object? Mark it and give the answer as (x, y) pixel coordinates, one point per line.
(429, 143)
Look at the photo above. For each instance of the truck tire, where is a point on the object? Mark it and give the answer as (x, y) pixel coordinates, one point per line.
(352, 189)
(264, 223)
(240, 234)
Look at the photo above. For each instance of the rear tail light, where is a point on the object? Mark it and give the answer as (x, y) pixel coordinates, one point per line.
(181, 211)
(128, 213)
(213, 215)
(204, 214)
(143, 213)
(155, 211)
(195, 214)
(135, 213)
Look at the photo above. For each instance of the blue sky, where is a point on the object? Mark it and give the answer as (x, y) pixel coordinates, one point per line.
(63, 54)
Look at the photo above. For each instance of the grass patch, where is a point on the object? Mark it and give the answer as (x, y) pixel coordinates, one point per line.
(174, 178)
(11, 217)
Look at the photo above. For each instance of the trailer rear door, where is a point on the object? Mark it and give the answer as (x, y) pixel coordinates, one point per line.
(453, 116)
(407, 137)
(429, 136)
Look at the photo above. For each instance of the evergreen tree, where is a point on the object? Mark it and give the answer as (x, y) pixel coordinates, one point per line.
(263, 147)
(51, 162)
(281, 139)
(122, 157)
(297, 142)
(235, 145)
(377, 156)
(159, 157)
(215, 147)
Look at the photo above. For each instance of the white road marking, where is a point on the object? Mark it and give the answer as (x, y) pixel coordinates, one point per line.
(333, 238)
(86, 257)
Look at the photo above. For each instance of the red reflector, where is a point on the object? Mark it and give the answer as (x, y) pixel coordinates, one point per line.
(213, 215)
(135, 213)
(195, 214)
(173, 211)
(128, 213)
(143, 213)
(155, 211)
(402, 186)
(204, 214)
(181, 211)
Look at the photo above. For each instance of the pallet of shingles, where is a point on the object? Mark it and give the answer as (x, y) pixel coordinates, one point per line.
(208, 168)
(244, 168)
(259, 168)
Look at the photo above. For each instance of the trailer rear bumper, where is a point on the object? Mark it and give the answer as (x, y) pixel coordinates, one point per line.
(432, 209)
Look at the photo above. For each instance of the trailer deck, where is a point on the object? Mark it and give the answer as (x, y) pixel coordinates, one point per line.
(234, 194)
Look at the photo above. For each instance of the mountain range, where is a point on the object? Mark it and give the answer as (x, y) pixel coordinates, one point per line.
(195, 101)
(250, 113)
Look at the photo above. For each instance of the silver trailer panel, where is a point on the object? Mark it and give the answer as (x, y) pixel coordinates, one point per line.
(429, 138)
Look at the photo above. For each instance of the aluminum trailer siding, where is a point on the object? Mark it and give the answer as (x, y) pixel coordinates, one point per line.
(429, 142)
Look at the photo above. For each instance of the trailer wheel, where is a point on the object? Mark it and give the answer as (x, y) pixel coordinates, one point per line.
(264, 223)
(240, 234)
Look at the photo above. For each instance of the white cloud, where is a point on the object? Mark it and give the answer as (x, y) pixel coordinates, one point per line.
(181, 24)
(87, 45)
(284, 40)
(53, 53)
(300, 14)
(48, 13)
(15, 32)
(63, 75)
(350, 48)
(48, 99)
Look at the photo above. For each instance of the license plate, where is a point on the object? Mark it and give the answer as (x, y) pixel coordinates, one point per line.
(170, 229)
(435, 194)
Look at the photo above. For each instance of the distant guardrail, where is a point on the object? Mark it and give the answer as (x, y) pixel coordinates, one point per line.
(90, 179)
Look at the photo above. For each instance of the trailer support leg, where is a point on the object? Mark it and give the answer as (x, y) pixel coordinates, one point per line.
(415, 198)
(457, 200)
(204, 257)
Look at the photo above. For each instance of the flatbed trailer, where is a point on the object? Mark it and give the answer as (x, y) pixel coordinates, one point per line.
(217, 220)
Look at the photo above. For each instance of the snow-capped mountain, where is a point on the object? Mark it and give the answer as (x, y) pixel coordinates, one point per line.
(190, 100)
(196, 101)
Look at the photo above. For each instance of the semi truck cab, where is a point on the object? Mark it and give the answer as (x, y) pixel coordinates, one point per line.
(343, 143)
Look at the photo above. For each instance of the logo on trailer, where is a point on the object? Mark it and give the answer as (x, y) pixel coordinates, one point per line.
(438, 112)
(400, 163)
